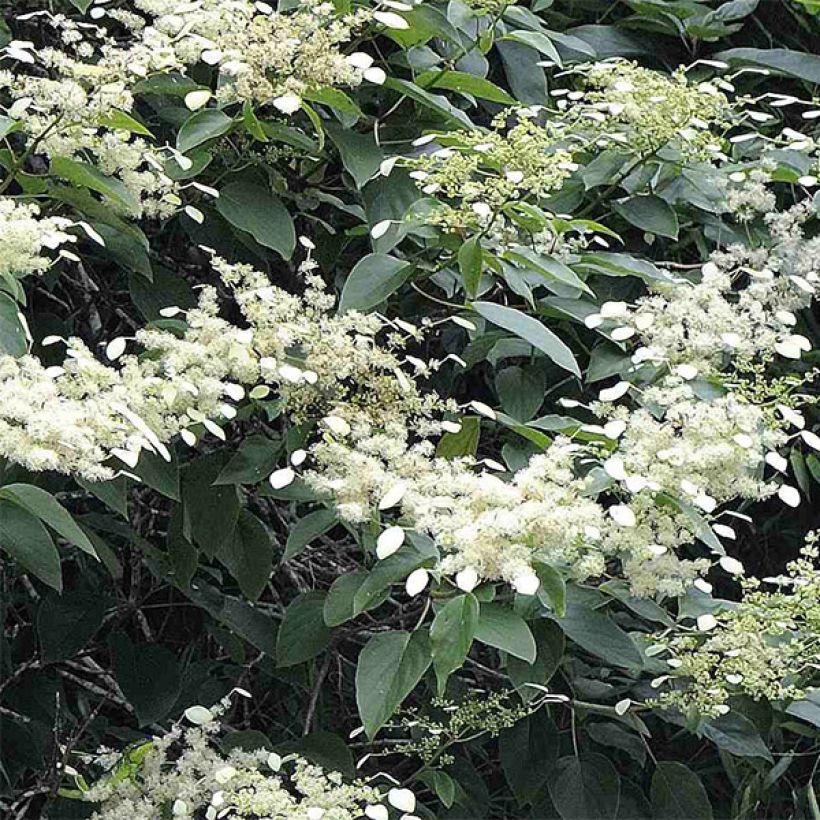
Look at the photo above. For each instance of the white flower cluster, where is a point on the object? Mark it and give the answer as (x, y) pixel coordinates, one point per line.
(742, 308)
(25, 236)
(183, 774)
(261, 55)
(74, 417)
(74, 117)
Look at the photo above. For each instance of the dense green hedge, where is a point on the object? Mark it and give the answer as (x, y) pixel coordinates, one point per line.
(409, 409)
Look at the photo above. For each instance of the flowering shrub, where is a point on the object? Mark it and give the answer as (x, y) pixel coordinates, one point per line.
(441, 374)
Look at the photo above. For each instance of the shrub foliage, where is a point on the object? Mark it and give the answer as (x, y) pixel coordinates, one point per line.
(408, 409)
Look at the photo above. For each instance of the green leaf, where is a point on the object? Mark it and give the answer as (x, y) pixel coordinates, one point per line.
(253, 462)
(251, 624)
(303, 633)
(210, 512)
(333, 97)
(416, 552)
(12, 335)
(158, 473)
(372, 280)
(113, 493)
(248, 555)
(737, 735)
(441, 105)
(532, 331)
(89, 176)
(360, 154)
(341, 597)
(120, 121)
(306, 529)
(470, 264)
(467, 84)
(65, 623)
(538, 41)
(600, 635)
(650, 213)
(451, 636)
(529, 752)
(202, 126)
(782, 60)
(549, 640)
(148, 675)
(27, 541)
(585, 788)
(462, 443)
(677, 794)
(389, 667)
(502, 628)
(546, 266)
(553, 589)
(521, 390)
(254, 209)
(45, 506)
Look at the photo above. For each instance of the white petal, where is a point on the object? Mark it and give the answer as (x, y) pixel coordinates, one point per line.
(194, 100)
(777, 461)
(359, 59)
(614, 466)
(375, 75)
(724, 531)
(731, 565)
(789, 495)
(381, 228)
(199, 715)
(467, 579)
(315, 813)
(621, 334)
(615, 392)
(416, 581)
(703, 586)
(686, 371)
(297, 457)
(614, 429)
(402, 799)
(527, 583)
(288, 103)
(377, 812)
(115, 348)
(792, 416)
(337, 425)
(483, 409)
(393, 496)
(623, 515)
(129, 457)
(788, 349)
(812, 439)
(622, 706)
(281, 478)
(389, 542)
(706, 622)
(391, 19)
(274, 761)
